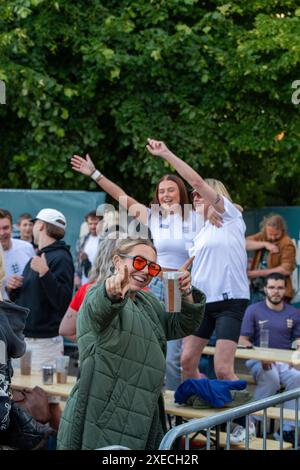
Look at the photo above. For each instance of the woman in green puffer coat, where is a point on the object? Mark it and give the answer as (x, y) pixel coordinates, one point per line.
(122, 333)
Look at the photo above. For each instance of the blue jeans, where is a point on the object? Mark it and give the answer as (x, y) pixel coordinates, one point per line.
(268, 383)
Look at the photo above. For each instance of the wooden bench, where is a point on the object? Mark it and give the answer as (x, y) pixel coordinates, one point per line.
(247, 377)
(273, 412)
(187, 413)
(254, 444)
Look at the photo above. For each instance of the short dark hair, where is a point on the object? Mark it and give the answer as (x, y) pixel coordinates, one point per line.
(4, 214)
(276, 277)
(93, 215)
(24, 216)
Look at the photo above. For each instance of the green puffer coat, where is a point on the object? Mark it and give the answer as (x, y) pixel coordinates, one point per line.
(122, 348)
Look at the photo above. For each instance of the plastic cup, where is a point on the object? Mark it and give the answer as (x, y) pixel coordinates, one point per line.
(62, 367)
(264, 338)
(25, 363)
(172, 293)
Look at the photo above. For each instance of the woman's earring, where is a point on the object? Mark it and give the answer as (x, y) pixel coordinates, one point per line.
(112, 269)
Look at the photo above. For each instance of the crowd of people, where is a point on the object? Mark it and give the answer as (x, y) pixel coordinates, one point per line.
(110, 301)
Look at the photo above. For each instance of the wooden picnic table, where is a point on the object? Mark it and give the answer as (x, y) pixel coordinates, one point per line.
(29, 381)
(263, 354)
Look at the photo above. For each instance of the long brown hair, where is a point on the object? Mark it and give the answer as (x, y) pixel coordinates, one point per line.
(183, 193)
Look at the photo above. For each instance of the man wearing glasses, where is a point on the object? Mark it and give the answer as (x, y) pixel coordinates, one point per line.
(283, 324)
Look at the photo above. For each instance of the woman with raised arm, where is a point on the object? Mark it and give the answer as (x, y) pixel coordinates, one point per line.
(122, 339)
(173, 225)
(219, 270)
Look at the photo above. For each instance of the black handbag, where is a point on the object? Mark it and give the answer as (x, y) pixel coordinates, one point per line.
(24, 432)
(21, 430)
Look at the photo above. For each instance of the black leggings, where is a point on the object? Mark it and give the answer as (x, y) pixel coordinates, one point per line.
(225, 317)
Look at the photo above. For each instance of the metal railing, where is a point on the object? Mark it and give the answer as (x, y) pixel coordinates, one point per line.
(197, 425)
(113, 448)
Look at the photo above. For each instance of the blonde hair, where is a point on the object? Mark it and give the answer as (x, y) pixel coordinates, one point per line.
(110, 219)
(101, 268)
(125, 245)
(219, 187)
(275, 221)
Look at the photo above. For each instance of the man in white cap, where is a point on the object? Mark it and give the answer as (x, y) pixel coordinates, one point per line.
(47, 288)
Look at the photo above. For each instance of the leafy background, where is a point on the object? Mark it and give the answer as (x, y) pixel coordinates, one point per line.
(211, 78)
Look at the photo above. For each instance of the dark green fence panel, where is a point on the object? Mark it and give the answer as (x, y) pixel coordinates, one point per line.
(73, 204)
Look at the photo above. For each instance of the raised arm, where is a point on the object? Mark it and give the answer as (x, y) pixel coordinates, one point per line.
(86, 167)
(160, 149)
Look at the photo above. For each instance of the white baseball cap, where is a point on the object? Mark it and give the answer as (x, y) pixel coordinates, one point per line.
(52, 216)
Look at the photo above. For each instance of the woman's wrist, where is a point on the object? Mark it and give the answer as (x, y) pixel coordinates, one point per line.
(188, 298)
(187, 292)
(167, 155)
(96, 175)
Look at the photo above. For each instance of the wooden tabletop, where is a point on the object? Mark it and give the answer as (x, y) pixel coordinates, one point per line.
(29, 381)
(263, 354)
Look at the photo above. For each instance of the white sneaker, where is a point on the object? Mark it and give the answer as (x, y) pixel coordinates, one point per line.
(238, 435)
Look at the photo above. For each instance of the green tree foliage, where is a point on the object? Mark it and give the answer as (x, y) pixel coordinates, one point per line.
(211, 78)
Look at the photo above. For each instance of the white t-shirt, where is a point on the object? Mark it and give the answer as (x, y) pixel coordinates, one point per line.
(90, 248)
(16, 258)
(220, 264)
(173, 236)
